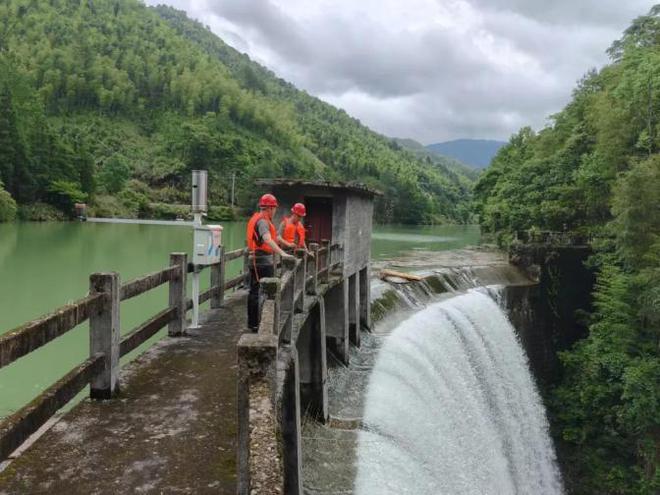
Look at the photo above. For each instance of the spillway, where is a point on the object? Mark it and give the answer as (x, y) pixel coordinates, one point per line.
(451, 408)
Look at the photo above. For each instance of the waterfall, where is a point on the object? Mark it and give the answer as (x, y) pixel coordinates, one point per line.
(451, 408)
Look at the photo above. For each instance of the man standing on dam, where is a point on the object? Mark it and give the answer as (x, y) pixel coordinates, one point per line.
(262, 241)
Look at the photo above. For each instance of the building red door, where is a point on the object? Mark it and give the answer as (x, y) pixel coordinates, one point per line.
(318, 222)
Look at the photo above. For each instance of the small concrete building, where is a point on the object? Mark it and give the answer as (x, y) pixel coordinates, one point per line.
(317, 307)
(340, 213)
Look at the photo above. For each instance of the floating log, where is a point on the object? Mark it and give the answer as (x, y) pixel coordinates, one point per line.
(406, 276)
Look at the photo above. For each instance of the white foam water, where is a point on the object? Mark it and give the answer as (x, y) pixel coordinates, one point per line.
(452, 409)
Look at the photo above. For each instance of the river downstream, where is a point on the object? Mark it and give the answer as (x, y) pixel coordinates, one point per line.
(43, 266)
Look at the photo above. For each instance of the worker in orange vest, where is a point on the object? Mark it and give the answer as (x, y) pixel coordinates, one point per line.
(262, 241)
(292, 230)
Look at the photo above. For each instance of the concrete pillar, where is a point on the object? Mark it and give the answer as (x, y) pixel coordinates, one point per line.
(218, 280)
(270, 311)
(321, 378)
(312, 359)
(365, 301)
(325, 260)
(354, 308)
(104, 334)
(287, 298)
(301, 278)
(288, 404)
(177, 296)
(313, 269)
(336, 320)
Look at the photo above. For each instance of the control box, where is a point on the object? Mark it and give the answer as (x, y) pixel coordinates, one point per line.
(206, 244)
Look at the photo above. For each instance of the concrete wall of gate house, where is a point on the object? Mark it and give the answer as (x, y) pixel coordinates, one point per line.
(357, 234)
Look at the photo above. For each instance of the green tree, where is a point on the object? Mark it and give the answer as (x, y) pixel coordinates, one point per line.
(7, 206)
(64, 194)
(114, 174)
(596, 169)
(13, 160)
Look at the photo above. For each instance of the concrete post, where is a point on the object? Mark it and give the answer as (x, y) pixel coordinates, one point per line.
(104, 334)
(270, 315)
(312, 358)
(365, 302)
(313, 289)
(325, 243)
(323, 411)
(354, 308)
(301, 277)
(341, 260)
(287, 297)
(218, 280)
(336, 321)
(177, 298)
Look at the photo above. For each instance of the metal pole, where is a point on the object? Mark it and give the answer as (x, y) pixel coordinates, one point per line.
(197, 220)
(195, 298)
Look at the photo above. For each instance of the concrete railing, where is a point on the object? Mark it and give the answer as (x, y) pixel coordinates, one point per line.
(300, 276)
(263, 420)
(101, 307)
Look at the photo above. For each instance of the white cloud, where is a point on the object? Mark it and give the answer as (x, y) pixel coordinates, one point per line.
(428, 69)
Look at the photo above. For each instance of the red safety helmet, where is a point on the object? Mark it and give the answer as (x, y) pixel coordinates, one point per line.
(268, 201)
(299, 209)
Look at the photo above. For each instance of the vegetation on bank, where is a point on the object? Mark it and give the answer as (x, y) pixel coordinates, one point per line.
(7, 206)
(113, 103)
(596, 171)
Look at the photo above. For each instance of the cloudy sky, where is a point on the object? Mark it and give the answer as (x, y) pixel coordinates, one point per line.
(432, 70)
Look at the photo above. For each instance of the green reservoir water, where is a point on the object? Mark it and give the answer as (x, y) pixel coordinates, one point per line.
(46, 265)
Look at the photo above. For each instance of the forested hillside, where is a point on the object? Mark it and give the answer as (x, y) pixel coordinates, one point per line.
(113, 103)
(596, 171)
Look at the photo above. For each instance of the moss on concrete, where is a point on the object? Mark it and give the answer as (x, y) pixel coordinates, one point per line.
(384, 304)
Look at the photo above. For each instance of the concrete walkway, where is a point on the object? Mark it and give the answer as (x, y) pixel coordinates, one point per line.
(171, 430)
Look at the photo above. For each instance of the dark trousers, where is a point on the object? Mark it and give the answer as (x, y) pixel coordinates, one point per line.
(255, 296)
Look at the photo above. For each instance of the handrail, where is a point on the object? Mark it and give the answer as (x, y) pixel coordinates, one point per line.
(235, 254)
(15, 429)
(101, 307)
(142, 332)
(300, 276)
(287, 280)
(272, 352)
(32, 335)
(143, 284)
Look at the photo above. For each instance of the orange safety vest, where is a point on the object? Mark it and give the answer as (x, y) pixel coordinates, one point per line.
(290, 231)
(252, 236)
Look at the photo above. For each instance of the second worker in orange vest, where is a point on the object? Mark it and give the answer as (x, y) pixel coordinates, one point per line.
(292, 230)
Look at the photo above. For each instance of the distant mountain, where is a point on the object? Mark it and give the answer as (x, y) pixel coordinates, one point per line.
(476, 153)
(440, 161)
